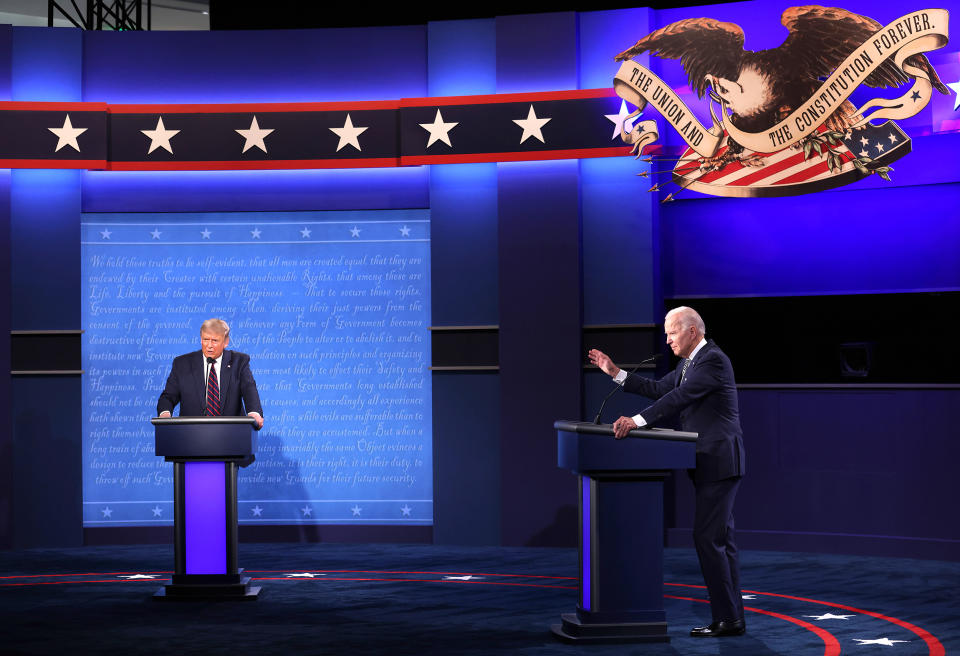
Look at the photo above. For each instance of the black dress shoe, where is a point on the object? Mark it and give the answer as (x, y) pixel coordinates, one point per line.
(720, 629)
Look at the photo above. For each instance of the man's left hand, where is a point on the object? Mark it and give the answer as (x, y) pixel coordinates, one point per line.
(622, 426)
(258, 418)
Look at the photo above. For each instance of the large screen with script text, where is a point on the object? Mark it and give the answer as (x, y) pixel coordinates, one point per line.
(333, 309)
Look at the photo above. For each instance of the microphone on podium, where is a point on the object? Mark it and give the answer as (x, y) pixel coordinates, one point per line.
(652, 358)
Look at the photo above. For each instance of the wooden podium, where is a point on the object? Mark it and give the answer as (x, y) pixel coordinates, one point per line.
(621, 529)
(205, 452)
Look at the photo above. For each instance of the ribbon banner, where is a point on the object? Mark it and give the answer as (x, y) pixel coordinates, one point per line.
(915, 33)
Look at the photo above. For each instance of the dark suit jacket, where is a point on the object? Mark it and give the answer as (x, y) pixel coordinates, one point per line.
(706, 403)
(186, 385)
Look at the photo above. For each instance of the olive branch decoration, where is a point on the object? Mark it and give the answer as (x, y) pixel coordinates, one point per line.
(820, 144)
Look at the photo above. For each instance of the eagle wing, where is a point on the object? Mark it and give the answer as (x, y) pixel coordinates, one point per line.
(822, 37)
(703, 46)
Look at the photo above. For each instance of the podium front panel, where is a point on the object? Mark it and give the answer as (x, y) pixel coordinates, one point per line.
(205, 517)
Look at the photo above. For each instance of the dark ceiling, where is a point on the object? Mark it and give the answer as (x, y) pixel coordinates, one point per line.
(296, 14)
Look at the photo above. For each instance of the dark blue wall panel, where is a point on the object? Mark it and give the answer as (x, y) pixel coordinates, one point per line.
(6, 437)
(255, 191)
(256, 66)
(889, 240)
(540, 355)
(466, 454)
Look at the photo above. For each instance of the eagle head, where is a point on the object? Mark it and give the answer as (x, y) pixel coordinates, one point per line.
(750, 95)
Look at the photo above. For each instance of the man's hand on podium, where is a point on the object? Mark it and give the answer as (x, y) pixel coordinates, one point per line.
(258, 418)
(622, 426)
(165, 413)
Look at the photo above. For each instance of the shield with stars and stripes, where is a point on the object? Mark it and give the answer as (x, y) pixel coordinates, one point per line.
(795, 170)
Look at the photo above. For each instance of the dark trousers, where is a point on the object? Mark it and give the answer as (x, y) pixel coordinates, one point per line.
(716, 549)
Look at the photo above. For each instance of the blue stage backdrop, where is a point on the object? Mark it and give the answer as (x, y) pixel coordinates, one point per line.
(333, 308)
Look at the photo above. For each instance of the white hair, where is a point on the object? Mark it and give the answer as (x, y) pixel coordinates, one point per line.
(687, 317)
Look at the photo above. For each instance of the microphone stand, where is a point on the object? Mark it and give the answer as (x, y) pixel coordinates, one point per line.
(652, 358)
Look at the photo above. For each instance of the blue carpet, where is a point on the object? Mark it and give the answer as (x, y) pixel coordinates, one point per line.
(419, 599)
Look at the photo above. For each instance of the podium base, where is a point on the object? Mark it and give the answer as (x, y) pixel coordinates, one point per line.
(572, 630)
(240, 591)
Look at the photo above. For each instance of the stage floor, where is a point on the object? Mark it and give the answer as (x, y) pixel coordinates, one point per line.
(420, 599)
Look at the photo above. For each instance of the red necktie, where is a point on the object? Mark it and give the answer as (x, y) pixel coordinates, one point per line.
(213, 391)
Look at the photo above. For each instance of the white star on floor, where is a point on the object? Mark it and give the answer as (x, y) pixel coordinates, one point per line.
(404, 231)
(355, 231)
(305, 233)
(205, 233)
(887, 642)
(465, 577)
(160, 137)
(439, 131)
(405, 511)
(105, 234)
(531, 126)
(956, 90)
(67, 135)
(257, 510)
(356, 510)
(619, 120)
(748, 596)
(107, 512)
(348, 134)
(155, 234)
(254, 136)
(157, 511)
(307, 511)
(829, 616)
(303, 575)
(130, 577)
(255, 233)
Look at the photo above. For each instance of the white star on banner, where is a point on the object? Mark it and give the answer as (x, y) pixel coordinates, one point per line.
(531, 126)
(356, 510)
(157, 511)
(864, 141)
(255, 233)
(254, 136)
(887, 642)
(893, 138)
(404, 231)
(405, 511)
(619, 120)
(107, 512)
(348, 134)
(879, 147)
(864, 153)
(829, 616)
(205, 233)
(355, 231)
(307, 511)
(131, 577)
(105, 234)
(465, 577)
(303, 575)
(67, 135)
(160, 137)
(305, 233)
(439, 131)
(257, 510)
(956, 90)
(156, 233)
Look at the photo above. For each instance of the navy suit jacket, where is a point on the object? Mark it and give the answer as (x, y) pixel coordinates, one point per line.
(706, 403)
(187, 386)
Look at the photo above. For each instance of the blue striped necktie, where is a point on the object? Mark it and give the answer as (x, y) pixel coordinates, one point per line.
(213, 390)
(683, 372)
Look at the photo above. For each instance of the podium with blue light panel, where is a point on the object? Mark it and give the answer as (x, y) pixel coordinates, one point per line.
(206, 453)
(621, 529)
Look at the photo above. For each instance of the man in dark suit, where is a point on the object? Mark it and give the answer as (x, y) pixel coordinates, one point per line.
(212, 381)
(702, 392)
